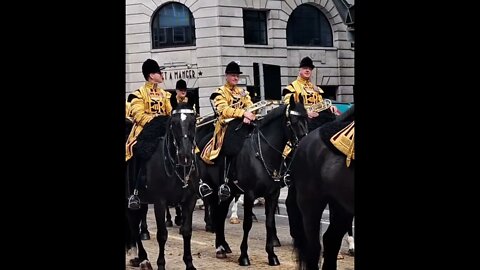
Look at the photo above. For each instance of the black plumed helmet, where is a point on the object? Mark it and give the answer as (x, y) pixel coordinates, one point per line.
(150, 66)
(307, 62)
(181, 85)
(233, 68)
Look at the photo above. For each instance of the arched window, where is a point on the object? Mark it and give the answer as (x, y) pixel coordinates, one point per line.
(173, 26)
(308, 26)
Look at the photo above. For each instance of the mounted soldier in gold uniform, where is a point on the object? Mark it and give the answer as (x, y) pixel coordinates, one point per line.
(229, 101)
(147, 102)
(312, 97)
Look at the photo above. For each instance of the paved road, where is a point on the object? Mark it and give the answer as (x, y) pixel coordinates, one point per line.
(204, 251)
(282, 218)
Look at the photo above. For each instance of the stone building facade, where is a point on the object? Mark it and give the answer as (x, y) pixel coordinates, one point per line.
(196, 39)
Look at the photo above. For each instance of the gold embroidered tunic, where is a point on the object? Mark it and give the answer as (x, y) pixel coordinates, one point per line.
(150, 100)
(311, 94)
(229, 102)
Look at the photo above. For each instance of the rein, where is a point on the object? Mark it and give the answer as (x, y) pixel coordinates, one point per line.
(273, 173)
(173, 161)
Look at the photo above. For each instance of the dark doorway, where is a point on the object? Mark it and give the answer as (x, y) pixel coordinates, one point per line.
(271, 79)
(329, 91)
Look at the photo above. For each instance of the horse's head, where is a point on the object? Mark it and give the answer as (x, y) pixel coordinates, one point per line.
(296, 120)
(182, 128)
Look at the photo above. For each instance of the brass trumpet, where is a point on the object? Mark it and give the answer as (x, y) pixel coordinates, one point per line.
(321, 106)
(202, 118)
(254, 107)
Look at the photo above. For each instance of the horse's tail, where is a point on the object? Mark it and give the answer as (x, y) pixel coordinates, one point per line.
(296, 226)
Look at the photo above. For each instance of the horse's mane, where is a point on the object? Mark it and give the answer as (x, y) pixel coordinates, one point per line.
(158, 125)
(272, 115)
(148, 139)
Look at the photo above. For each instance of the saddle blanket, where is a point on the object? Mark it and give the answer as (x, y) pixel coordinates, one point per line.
(344, 142)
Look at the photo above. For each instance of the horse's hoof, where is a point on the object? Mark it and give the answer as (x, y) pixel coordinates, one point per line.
(276, 242)
(191, 268)
(221, 255)
(273, 261)
(351, 252)
(244, 261)
(178, 221)
(145, 235)
(234, 220)
(145, 265)
(135, 262)
(169, 223)
(209, 228)
(227, 248)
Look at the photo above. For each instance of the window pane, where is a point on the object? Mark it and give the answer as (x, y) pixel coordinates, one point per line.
(173, 25)
(308, 26)
(255, 27)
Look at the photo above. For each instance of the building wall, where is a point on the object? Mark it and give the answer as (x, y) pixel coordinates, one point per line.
(219, 40)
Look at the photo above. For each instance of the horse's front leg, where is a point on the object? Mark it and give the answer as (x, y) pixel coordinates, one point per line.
(168, 221)
(208, 216)
(270, 205)
(219, 213)
(270, 210)
(139, 255)
(311, 210)
(243, 260)
(234, 216)
(162, 233)
(340, 222)
(187, 216)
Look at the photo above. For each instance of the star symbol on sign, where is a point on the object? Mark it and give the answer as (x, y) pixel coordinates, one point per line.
(200, 73)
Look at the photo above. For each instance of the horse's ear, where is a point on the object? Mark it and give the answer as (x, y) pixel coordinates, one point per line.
(292, 100)
(300, 99)
(191, 102)
(173, 101)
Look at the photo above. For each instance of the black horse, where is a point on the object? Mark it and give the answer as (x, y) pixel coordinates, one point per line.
(171, 177)
(205, 128)
(320, 177)
(257, 161)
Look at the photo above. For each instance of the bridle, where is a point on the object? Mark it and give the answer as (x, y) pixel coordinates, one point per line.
(294, 140)
(173, 160)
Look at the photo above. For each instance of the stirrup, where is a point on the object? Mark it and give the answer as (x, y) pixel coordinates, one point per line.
(134, 201)
(223, 192)
(287, 180)
(204, 190)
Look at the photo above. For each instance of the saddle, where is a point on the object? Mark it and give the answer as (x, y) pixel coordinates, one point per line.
(344, 142)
